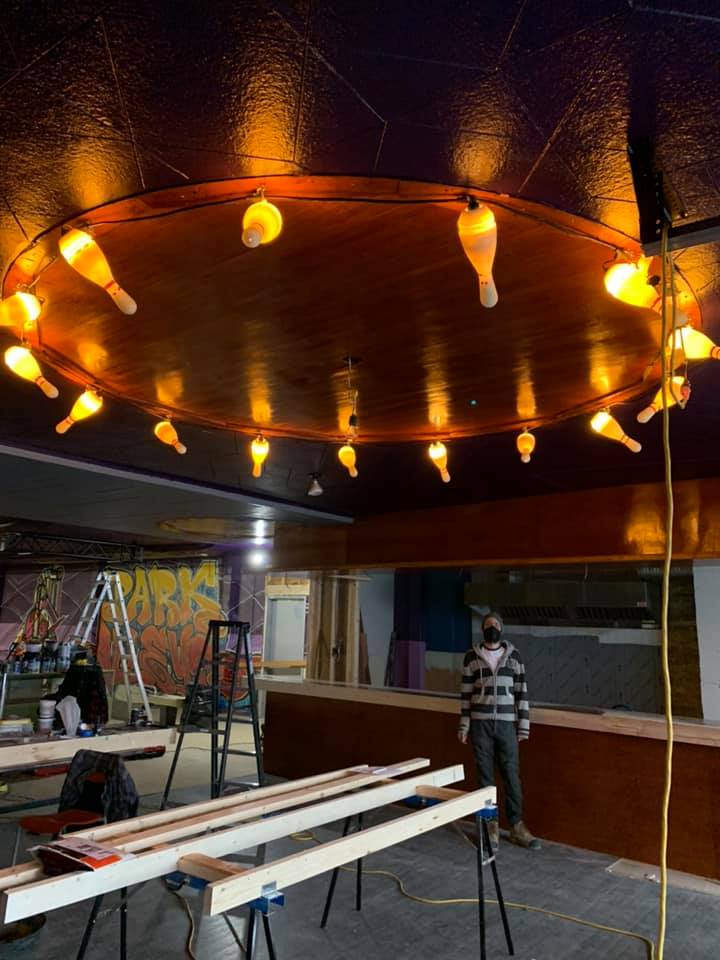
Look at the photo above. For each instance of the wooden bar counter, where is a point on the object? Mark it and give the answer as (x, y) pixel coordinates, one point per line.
(591, 779)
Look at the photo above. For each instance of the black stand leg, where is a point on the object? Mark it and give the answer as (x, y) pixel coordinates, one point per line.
(123, 924)
(498, 891)
(358, 875)
(268, 937)
(481, 887)
(333, 882)
(89, 927)
(250, 934)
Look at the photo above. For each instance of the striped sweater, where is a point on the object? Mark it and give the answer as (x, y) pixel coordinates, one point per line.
(499, 696)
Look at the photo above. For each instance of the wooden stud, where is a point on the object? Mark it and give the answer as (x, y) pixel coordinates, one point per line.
(225, 894)
(51, 893)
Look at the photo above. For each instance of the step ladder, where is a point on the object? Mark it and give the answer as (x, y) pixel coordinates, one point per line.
(227, 649)
(108, 589)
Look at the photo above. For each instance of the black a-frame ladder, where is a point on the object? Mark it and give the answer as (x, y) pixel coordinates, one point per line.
(226, 649)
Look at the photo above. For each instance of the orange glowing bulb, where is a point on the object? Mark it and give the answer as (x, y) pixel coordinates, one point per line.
(693, 345)
(438, 454)
(348, 457)
(259, 449)
(525, 445)
(22, 363)
(166, 433)
(678, 392)
(86, 405)
(83, 254)
(629, 282)
(477, 230)
(20, 310)
(262, 223)
(607, 426)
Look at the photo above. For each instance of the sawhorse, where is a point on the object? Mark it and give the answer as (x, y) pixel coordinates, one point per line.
(482, 842)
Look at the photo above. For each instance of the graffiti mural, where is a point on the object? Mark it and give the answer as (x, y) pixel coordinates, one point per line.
(169, 607)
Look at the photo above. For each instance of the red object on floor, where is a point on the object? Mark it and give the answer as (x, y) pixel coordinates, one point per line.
(55, 823)
(51, 771)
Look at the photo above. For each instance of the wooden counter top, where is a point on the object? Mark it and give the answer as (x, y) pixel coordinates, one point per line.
(619, 722)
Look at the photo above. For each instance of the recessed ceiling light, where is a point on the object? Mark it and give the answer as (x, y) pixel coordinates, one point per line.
(258, 558)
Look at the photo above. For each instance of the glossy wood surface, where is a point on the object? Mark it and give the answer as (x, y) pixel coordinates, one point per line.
(598, 791)
(256, 339)
(619, 523)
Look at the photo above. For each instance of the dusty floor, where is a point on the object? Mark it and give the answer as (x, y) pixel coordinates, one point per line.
(440, 865)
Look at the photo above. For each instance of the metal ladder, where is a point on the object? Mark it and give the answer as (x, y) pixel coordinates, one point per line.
(221, 718)
(108, 589)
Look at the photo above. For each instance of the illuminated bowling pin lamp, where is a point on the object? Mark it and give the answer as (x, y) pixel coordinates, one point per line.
(23, 364)
(678, 393)
(348, 458)
(20, 310)
(87, 404)
(478, 235)
(166, 433)
(82, 252)
(259, 450)
(631, 283)
(525, 445)
(607, 426)
(437, 451)
(262, 223)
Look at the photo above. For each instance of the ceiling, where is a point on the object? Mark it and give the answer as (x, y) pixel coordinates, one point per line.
(104, 101)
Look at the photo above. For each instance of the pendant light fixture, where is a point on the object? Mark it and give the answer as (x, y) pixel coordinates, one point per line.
(678, 393)
(259, 449)
(437, 452)
(166, 433)
(80, 249)
(348, 458)
(23, 364)
(262, 223)
(525, 445)
(87, 404)
(20, 310)
(314, 490)
(477, 230)
(607, 426)
(631, 283)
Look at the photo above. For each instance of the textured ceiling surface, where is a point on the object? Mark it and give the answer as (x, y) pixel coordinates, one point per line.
(100, 100)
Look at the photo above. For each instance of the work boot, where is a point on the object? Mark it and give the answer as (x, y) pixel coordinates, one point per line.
(494, 833)
(520, 835)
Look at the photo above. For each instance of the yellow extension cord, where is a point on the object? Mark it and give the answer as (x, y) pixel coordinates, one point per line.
(665, 639)
(429, 901)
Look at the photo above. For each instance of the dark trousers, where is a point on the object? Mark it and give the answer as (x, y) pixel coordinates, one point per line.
(496, 740)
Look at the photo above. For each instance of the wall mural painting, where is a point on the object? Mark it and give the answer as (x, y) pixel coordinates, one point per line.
(169, 607)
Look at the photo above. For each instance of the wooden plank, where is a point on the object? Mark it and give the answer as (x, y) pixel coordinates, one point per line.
(232, 892)
(283, 664)
(208, 868)
(439, 793)
(109, 831)
(44, 751)
(191, 825)
(50, 893)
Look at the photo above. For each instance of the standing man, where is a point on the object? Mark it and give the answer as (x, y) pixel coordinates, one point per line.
(496, 714)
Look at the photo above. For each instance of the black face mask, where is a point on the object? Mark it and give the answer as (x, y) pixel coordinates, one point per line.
(491, 636)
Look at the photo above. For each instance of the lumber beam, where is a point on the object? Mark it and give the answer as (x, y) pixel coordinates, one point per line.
(124, 828)
(208, 868)
(273, 877)
(50, 893)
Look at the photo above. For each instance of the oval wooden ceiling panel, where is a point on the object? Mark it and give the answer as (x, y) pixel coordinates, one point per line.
(256, 338)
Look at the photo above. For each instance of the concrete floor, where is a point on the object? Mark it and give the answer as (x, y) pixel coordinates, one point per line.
(438, 865)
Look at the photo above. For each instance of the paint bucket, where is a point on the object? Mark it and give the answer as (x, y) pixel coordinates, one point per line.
(46, 709)
(44, 724)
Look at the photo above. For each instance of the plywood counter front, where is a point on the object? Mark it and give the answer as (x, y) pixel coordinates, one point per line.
(593, 780)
